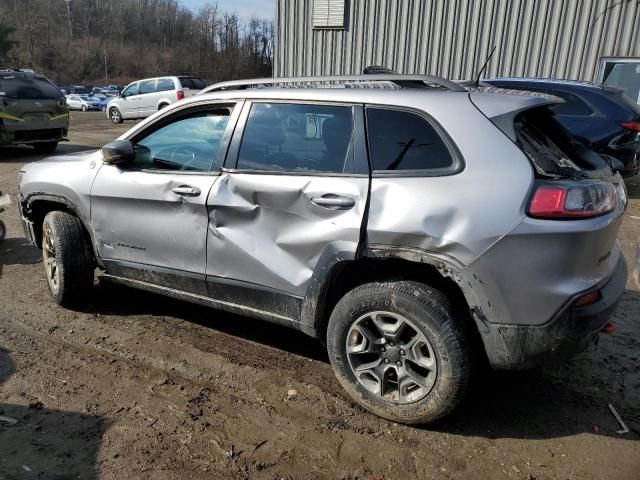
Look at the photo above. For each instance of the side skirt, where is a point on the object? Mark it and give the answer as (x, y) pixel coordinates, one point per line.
(205, 301)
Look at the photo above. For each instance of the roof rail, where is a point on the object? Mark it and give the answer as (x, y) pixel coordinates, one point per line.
(400, 80)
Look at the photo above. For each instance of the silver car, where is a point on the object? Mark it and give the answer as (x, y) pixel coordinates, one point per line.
(413, 225)
(145, 97)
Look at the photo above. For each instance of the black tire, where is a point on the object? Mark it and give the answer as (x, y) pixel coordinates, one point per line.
(115, 115)
(163, 105)
(430, 315)
(3, 231)
(64, 241)
(83, 108)
(45, 147)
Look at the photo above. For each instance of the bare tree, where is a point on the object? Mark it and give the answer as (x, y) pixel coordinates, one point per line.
(71, 40)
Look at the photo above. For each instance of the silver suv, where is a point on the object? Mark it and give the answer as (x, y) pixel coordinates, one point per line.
(145, 97)
(418, 229)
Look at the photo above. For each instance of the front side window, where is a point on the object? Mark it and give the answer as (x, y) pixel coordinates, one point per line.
(187, 143)
(130, 90)
(401, 140)
(297, 137)
(148, 86)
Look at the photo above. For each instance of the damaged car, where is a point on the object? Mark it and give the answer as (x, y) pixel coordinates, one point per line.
(418, 229)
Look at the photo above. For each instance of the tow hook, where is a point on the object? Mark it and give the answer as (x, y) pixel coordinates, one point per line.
(608, 328)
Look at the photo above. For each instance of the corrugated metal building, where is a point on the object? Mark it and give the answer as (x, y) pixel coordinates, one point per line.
(452, 38)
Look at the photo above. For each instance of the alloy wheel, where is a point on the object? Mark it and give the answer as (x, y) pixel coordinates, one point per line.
(50, 260)
(390, 356)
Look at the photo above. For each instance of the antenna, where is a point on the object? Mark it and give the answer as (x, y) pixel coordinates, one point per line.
(484, 67)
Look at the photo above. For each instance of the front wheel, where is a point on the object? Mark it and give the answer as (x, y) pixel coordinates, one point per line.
(115, 116)
(67, 258)
(83, 108)
(3, 231)
(399, 350)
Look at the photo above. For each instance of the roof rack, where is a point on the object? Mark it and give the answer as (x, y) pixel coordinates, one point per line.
(400, 80)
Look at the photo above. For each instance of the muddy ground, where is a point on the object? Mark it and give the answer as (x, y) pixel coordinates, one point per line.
(139, 386)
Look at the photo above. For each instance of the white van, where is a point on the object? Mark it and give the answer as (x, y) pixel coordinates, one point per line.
(145, 97)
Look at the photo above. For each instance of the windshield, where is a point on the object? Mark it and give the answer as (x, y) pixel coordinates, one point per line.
(29, 87)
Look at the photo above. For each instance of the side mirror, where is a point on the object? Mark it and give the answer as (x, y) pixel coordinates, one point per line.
(118, 152)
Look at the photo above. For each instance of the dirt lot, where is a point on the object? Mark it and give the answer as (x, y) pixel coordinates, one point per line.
(139, 386)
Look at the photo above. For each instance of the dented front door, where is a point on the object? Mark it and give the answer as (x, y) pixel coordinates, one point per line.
(150, 216)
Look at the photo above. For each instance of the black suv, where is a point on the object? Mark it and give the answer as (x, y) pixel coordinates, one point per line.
(601, 116)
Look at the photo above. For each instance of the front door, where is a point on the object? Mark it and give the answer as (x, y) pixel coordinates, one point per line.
(128, 101)
(150, 217)
(296, 187)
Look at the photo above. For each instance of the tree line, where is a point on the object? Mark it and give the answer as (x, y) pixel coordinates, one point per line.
(117, 41)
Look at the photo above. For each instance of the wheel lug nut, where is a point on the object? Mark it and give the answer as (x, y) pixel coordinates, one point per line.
(386, 360)
(382, 349)
(402, 352)
(398, 363)
(391, 344)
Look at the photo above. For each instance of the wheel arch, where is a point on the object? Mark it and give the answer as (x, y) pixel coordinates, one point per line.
(37, 206)
(333, 278)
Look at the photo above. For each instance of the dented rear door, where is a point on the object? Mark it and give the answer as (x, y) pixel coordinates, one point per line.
(295, 186)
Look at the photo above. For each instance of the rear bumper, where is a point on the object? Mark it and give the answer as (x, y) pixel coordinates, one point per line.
(572, 330)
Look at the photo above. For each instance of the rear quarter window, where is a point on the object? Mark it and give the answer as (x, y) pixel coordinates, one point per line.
(400, 140)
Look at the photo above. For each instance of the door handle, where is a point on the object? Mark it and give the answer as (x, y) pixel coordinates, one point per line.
(334, 202)
(186, 191)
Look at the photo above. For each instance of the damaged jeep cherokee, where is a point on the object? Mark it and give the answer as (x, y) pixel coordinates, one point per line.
(415, 228)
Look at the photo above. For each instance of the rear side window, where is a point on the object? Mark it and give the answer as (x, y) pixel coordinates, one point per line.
(192, 83)
(165, 84)
(573, 105)
(297, 137)
(148, 86)
(401, 140)
(29, 87)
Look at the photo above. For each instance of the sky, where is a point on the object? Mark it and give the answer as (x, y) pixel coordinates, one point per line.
(244, 8)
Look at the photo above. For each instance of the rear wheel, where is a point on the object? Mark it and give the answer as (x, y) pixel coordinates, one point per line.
(162, 105)
(45, 147)
(399, 350)
(115, 115)
(67, 257)
(3, 231)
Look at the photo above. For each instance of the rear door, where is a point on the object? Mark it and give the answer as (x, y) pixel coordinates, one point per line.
(147, 102)
(295, 186)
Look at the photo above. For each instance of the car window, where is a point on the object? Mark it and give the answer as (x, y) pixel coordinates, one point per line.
(188, 143)
(401, 140)
(148, 86)
(192, 83)
(573, 105)
(130, 90)
(165, 84)
(30, 87)
(297, 137)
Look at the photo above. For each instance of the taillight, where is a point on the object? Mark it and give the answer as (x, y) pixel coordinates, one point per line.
(633, 126)
(573, 201)
(180, 94)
